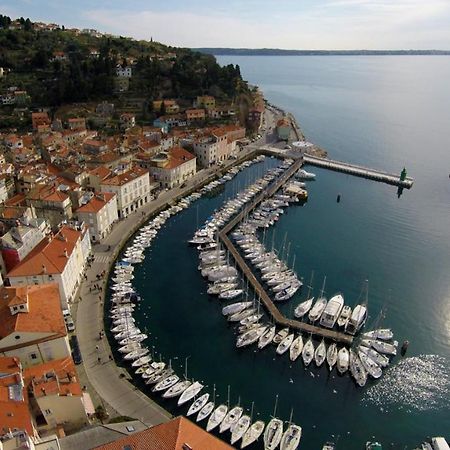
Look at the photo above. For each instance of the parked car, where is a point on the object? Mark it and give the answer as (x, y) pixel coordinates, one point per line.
(70, 325)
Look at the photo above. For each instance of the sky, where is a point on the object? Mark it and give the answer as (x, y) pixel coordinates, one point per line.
(289, 24)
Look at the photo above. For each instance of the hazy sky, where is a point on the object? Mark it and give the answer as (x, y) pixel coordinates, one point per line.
(294, 24)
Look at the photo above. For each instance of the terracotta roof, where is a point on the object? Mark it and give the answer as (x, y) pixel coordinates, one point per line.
(15, 415)
(17, 200)
(178, 156)
(101, 172)
(97, 202)
(49, 256)
(124, 178)
(173, 435)
(44, 310)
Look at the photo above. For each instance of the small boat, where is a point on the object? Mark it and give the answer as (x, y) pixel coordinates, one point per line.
(357, 369)
(166, 383)
(253, 433)
(251, 336)
(141, 361)
(332, 311)
(136, 354)
(332, 355)
(216, 417)
(235, 308)
(241, 315)
(384, 334)
(291, 437)
(381, 360)
(371, 366)
(198, 404)
(343, 360)
(296, 348)
(357, 320)
(230, 294)
(308, 352)
(273, 434)
(344, 316)
(177, 389)
(380, 346)
(240, 428)
(320, 354)
(205, 412)
(218, 288)
(231, 418)
(316, 311)
(266, 337)
(302, 174)
(280, 335)
(288, 293)
(303, 308)
(190, 393)
(159, 376)
(285, 344)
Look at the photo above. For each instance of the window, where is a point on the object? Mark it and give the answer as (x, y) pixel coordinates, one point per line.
(17, 337)
(33, 356)
(130, 428)
(47, 412)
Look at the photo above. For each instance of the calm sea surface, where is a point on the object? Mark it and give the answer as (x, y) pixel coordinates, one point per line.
(384, 112)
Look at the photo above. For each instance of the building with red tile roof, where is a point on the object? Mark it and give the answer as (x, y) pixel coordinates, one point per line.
(178, 434)
(59, 259)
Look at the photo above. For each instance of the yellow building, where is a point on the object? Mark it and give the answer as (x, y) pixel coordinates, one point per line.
(206, 101)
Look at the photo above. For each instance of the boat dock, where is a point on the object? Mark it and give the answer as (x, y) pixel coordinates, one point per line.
(276, 315)
(359, 171)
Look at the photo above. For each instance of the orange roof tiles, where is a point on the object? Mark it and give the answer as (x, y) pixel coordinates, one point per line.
(101, 172)
(124, 178)
(49, 256)
(44, 310)
(178, 156)
(15, 415)
(97, 202)
(172, 435)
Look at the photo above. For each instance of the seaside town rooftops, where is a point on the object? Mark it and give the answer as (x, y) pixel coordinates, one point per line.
(101, 172)
(15, 415)
(126, 177)
(41, 312)
(173, 158)
(96, 203)
(177, 434)
(50, 256)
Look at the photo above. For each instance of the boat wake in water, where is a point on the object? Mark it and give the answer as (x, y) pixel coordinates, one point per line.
(420, 383)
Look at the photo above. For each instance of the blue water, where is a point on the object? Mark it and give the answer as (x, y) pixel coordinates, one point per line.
(385, 112)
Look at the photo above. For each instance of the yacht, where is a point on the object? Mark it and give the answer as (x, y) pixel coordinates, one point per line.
(190, 393)
(240, 428)
(296, 348)
(344, 316)
(371, 366)
(231, 418)
(308, 352)
(381, 346)
(302, 174)
(385, 334)
(332, 311)
(177, 389)
(235, 308)
(232, 293)
(273, 434)
(332, 355)
(291, 437)
(166, 383)
(205, 412)
(381, 360)
(357, 320)
(251, 336)
(343, 360)
(216, 417)
(303, 308)
(357, 369)
(198, 404)
(267, 337)
(253, 433)
(285, 344)
(280, 335)
(320, 354)
(317, 310)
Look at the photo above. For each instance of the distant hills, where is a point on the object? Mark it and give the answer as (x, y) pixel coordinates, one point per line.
(281, 52)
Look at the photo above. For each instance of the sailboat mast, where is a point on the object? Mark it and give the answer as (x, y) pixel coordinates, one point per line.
(251, 411)
(228, 396)
(275, 407)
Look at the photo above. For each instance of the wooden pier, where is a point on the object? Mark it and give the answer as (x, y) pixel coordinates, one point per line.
(276, 315)
(359, 171)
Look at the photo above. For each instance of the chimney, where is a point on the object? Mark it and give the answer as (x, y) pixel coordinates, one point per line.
(43, 391)
(44, 269)
(65, 253)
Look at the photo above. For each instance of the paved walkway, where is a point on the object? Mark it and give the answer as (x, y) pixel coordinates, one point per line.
(109, 384)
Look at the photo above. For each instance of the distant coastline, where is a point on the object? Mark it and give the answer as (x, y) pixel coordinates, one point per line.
(282, 52)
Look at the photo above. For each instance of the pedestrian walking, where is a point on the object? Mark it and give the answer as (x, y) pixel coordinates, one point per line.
(97, 348)
(99, 360)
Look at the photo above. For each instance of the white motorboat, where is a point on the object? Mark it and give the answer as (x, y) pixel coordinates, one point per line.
(251, 319)
(371, 366)
(166, 383)
(130, 347)
(273, 434)
(241, 315)
(381, 346)
(303, 308)
(230, 294)
(231, 418)
(296, 348)
(316, 311)
(235, 308)
(136, 354)
(251, 336)
(198, 404)
(218, 288)
(308, 352)
(288, 293)
(177, 389)
(357, 369)
(285, 344)
(280, 335)
(320, 354)
(357, 320)
(384, 334)
(332, 356)
(141, 361)
(343, 360)
(253, 433)
(344, 316)
(381, 360)
(291, 437)
(216, 417)
(158, 376)
(240, 428)
(136, 338)
(267, 337)
(302, 174)
(155, 367)
(332, 311)
(205, 412)
(190, 393)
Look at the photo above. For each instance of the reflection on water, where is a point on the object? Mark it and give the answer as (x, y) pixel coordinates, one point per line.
(421, 383)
